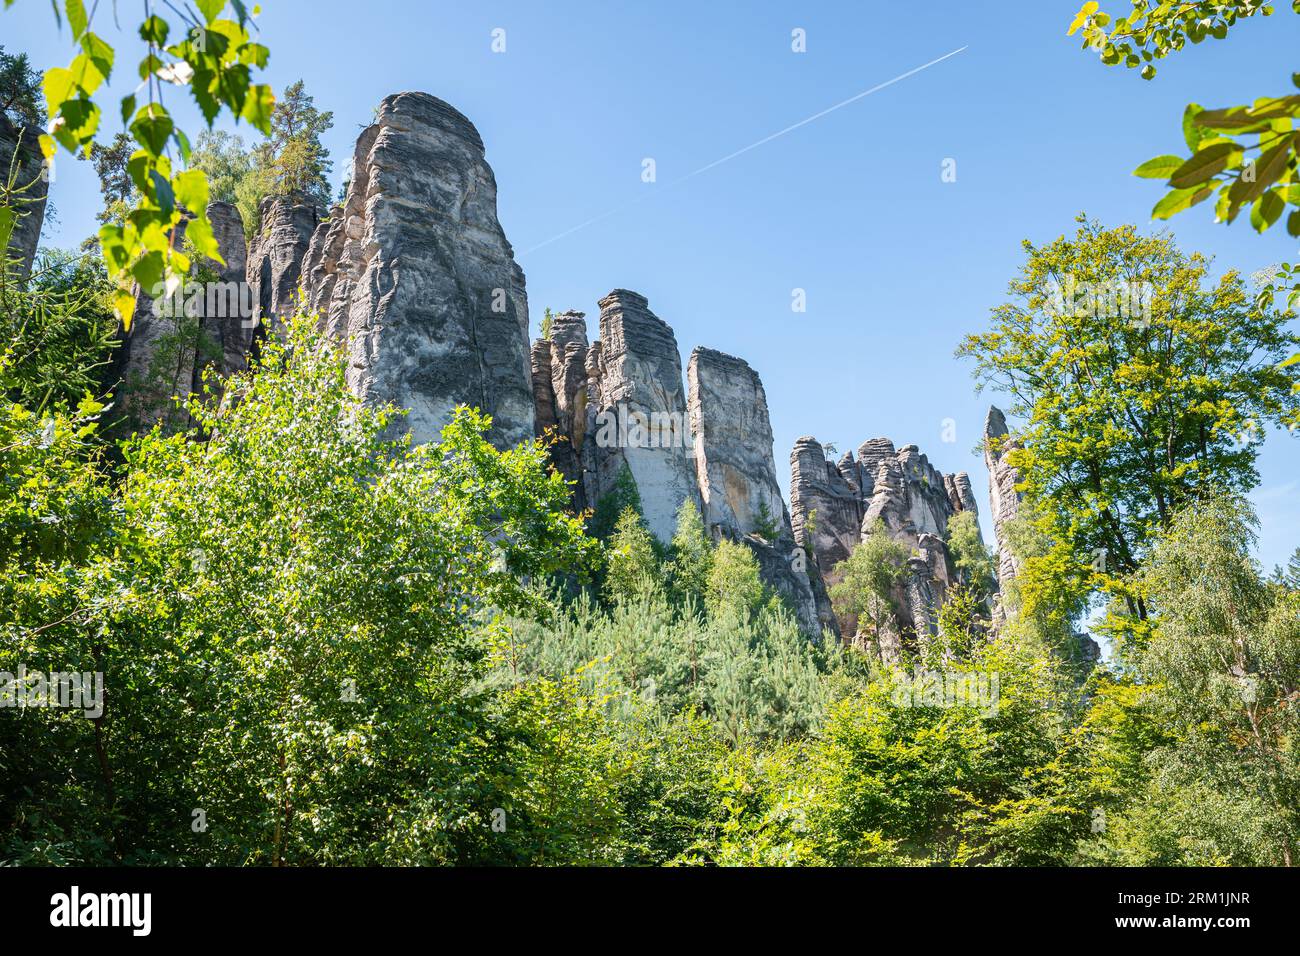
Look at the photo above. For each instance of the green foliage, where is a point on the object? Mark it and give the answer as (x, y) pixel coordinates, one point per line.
(59, 332)
(623, 495)
(632, 569)
(765, 524)
(291, 616)
(867, 581)
(1219, 139)
(112, 167)
(229, 168)
(214, 58)
(1133, 409)
(692, 555)
(20, 91)
(755, 679)
(299, 164)
(1226, 656)
(975, 564)
(1290, 576)
(734, 586)
(1152, 31)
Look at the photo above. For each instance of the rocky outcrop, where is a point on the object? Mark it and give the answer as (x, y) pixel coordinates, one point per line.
(636, 412)
(173, 340)
(617, 403)
(275, 260)
(560, 396)
(733, 447)
(826, 503)
(416, 274)
(737, 476)
(21, 159)
(229, 314)
(1004, 500)
(835, 505)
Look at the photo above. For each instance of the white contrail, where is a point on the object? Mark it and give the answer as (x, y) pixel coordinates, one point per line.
(740, 152)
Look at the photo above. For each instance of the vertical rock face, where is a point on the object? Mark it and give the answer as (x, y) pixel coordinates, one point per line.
(173, 340)
(1004, 500)
(275, 261)
(898, 491)
(733, 445)
(226, 324)
(826, 503)
(28, 167)
(569, 384)
(737, 476)
(156, 360)
(417, 274)
(637, 414)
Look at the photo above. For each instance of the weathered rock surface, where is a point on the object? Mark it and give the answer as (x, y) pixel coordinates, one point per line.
(826, 503)
(733, 446)
(156, 360)
(636, 411)
(1004, 500)
(226, 321)
(416, 274)
(560, 394)
(172, 341)
(29, 171)
(275, 261)
(736, 473)
(898, 491)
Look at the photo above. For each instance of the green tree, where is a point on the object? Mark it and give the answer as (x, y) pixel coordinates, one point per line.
(974, 562)
(609, 509)
(765, 525)
(59, 331)
(632, 569)
(734, 584)
(112, 167)
(300, 164)
(692, 554)
(867, 580)
(1290, 576)
(214, 58)
(20, 91)
(295, 617)
(224, 160)
(1136, 403)
(1225, 657)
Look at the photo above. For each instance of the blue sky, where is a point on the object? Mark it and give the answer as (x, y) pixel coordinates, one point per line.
(897, 265)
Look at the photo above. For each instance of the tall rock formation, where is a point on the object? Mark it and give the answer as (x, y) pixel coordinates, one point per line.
(275, 260)
(229, 314)
(826, 502)
(416, 274)
(21, 157)
(636, 412)
(835, 506)
(207, 323)
(733, 445)
(1004, 500)
(737, 478)
(560, 396)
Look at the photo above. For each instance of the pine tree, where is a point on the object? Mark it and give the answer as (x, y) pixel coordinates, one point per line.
(692, 554)
(765, 524)
(611, 506)
(21, 100)
(1291, 574)
(302, 165)
(633, 570)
